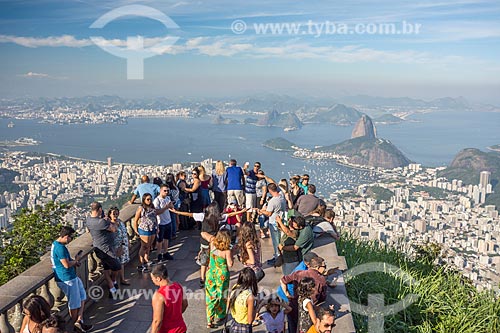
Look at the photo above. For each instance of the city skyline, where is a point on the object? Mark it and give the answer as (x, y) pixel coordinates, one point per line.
(47, 51)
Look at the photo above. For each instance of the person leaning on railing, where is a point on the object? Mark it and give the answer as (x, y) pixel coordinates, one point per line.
(66, 278)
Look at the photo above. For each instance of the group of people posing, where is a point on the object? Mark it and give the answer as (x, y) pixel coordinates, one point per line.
(227, 206)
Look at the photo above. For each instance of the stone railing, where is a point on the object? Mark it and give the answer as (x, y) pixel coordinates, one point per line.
(39, 279)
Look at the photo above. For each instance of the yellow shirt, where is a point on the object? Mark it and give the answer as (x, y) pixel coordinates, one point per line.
(240, 309)
(312, 329)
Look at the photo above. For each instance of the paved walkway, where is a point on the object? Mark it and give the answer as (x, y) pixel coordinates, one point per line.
(133, 314)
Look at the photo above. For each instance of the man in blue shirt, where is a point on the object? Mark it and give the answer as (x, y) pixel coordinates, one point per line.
(66, 278)
(252, 176)
(235, 183)
(145, 187)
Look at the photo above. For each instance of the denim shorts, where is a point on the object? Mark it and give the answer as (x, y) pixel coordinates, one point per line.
(74, 291)
(146, 233)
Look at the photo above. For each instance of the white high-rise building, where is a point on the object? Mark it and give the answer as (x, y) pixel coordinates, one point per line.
(484, 179)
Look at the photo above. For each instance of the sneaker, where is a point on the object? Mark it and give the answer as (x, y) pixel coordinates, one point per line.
(145, 269)
(83, 327)
(167, 256)
(271, 262)
(140, 268)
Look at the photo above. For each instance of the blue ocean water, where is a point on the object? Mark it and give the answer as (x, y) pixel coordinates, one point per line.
(431, 139)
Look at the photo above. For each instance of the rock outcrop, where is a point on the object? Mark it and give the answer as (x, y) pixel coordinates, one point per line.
(287, 119)
(371, 152)
(364, 128)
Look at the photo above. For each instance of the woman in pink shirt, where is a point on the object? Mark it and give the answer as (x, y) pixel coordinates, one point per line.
(169, 303)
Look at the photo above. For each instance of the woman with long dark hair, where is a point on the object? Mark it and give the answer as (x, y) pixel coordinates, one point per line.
(250, 249)
(195, 190)
(145, 227)
(36, 310)
(242, 301)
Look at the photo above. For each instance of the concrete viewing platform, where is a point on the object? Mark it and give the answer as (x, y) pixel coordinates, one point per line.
(134, 312)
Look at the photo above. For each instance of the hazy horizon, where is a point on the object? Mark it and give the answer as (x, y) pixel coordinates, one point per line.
(220, 49)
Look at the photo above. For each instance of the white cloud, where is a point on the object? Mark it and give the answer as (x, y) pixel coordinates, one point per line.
(51, 41)
(248, 47)
(35, 75)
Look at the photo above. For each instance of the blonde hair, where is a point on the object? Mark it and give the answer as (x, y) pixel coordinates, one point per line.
(283, 184)
(222, 240)
(220, 168)
(201, 170)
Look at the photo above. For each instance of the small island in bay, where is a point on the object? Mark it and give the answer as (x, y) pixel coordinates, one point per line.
(280, 144)
(20, 142)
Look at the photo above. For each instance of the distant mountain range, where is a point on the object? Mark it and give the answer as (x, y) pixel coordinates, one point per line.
(340, 111)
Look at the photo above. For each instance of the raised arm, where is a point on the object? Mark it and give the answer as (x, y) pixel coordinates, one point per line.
(236, 213)
(196, 184)
(181, 213)
(283, 227)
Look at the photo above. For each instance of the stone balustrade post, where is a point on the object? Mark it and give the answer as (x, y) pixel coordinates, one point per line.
(17, 316)
(5, 326)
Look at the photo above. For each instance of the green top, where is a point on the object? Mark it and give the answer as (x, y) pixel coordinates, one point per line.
(305, 240)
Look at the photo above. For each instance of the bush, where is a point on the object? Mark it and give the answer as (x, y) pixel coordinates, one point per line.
(448, 302)
(32, 233)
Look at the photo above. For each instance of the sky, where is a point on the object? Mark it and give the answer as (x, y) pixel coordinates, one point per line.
(420, 49)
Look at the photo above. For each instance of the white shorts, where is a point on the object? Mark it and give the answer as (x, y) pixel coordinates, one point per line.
(250, 200)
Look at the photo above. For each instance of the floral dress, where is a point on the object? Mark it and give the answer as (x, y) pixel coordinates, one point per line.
(216, 286)
(121, 240)
(305, 321)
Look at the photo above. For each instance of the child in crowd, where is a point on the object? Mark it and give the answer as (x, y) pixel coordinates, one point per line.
(307, 316)
(274, 316)
(233, 220)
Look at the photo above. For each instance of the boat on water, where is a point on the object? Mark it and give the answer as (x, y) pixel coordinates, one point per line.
(11, 125)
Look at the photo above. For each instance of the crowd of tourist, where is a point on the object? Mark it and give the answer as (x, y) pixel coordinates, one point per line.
(235, 209)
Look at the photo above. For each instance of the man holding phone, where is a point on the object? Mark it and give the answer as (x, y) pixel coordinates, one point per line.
(66, 278)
